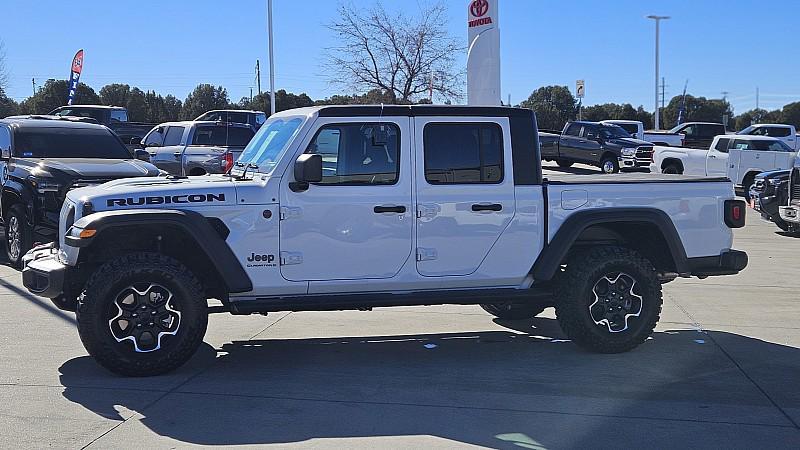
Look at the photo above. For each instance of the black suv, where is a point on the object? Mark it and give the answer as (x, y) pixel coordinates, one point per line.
(44, 157)
(769, 191)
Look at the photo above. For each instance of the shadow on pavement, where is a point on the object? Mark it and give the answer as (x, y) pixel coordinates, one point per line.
(572, 170)
(526, 387)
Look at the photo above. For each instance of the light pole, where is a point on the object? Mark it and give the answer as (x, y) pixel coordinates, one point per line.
(658, 20)
(271, 61)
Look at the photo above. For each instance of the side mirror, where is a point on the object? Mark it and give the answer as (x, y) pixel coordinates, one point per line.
(136, 142)
(141, 155)
(5, 154)
(308, 168)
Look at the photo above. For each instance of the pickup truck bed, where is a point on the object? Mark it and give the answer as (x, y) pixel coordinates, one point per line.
(632, 177)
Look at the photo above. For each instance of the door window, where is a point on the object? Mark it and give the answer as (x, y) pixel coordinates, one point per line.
(722, 145)
(358, 153)
(573, 130)
(5, 138)
(222, 136)
(463, 153)
(777, 132)
(155, 138)
(119, 115)
(173, 137)
(689, 131)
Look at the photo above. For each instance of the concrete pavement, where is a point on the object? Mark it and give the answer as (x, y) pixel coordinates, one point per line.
(721, 371)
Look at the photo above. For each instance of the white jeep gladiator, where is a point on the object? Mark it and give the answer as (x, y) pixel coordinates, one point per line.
(355, 207)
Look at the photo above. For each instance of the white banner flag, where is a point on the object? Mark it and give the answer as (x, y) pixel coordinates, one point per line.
(483, 54)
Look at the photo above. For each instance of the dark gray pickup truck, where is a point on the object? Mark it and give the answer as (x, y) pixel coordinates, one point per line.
(114, 117)
(606, 146)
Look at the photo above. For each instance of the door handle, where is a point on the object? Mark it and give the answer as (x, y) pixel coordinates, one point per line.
(711, 156)
(177, 154)
(389, 209)
(487, 207)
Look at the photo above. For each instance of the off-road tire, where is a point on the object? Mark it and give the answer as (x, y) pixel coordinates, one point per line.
(671, 169)
(564, 164)
(513, 311)
(17, 215)
(611, 160)
(111, 279)
(574, 294)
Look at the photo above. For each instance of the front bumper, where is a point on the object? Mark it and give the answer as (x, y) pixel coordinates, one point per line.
(632, 162)
(43, 274)
(729, 262)
(790, 214)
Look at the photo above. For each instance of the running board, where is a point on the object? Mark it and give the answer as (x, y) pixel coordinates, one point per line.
(341, 302)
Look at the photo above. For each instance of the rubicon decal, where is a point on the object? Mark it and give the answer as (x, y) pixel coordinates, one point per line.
(166, 199)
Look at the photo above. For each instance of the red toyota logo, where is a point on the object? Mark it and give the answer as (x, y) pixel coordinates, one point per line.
(479, 8)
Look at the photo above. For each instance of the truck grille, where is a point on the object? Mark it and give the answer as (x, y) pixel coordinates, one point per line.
(644, 155)
(794, 187)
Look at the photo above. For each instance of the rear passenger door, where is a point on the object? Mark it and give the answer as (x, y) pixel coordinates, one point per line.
(568, 144)
(589, 149)
(717, 158)
(465, 192)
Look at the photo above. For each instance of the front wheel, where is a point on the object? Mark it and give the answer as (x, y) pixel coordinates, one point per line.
(564, 164)
(608, 299)
(19, 234)
(609, 165)
(142, 314)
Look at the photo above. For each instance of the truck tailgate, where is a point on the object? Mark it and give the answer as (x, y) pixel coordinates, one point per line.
(694, 204)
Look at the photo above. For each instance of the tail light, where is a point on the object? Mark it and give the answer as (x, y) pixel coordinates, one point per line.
(734, 213)
(227, 162)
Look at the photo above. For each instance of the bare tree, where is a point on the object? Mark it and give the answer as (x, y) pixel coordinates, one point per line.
(405, 57)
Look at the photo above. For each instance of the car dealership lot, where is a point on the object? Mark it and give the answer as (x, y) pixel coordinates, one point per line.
(720, 371)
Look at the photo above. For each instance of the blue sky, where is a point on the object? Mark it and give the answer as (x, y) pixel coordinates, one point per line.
(171, 46)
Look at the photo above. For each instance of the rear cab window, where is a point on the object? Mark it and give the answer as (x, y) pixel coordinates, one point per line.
(222, 136)
(174, 136)
(722, 145)
(119, 115)
(463, 153)
(574, 129)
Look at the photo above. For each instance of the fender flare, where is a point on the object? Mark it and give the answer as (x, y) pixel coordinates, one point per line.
(23, 194)
(549, 261)
(209, 239)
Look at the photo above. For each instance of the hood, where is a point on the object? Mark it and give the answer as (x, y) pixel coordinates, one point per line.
(781, 173)
(89, 168)
(629, 142)
(158, 192)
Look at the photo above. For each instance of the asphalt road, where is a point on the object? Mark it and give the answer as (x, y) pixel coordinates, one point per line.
(721, 371)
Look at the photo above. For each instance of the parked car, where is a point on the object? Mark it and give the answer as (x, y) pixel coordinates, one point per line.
(786, 133)
(636, 130)
(114, 117)
(699, 134)
(790, 211)
(427, 205)
(253, 118)
(45, 158)
(196, 148)
(769, 191)
(740, 158)
(606, 146)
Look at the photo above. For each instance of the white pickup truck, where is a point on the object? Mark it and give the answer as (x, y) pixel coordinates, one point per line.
(786, 133)
(740, 158)
(356, 207)
(636, 129)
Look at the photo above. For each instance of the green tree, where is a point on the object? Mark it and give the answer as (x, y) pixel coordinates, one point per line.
(8, 107)
(791, 114)
(172, 108)
(748, 118)
(283, 101)
(115, 94)
(554, 106)
(204, 97)
(613, 111)
(373, 97)
(137, 106)
(698, 109)
(54, 94)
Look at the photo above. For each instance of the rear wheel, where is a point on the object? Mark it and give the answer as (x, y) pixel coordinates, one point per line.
(19, 234)
(609, 165)
(142, 314)
(608, 299)
(671, 169)
(513, 311)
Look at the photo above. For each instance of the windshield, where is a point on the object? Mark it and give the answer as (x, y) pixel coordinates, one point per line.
(613, 132)
(42, 142)
(272, 139)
